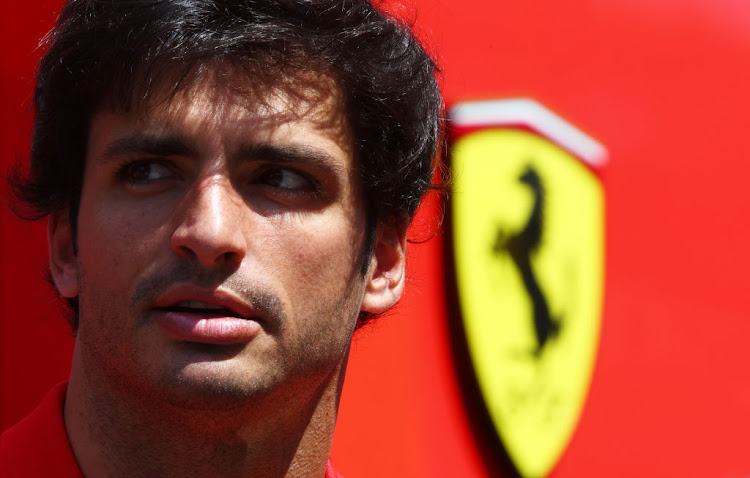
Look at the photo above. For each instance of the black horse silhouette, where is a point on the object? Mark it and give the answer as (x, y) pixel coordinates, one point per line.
(520, 246)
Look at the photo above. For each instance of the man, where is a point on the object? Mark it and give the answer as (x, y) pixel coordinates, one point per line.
(228, 185)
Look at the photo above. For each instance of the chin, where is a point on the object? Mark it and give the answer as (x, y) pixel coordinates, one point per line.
(214, 385)
(211, 392)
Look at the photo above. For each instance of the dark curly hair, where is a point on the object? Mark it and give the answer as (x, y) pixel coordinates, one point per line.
(112, 54)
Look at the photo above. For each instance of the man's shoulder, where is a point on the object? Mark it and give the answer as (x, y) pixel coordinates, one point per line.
(38, 445)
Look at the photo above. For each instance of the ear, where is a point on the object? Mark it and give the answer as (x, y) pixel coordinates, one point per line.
(387, 272)
(62, 258)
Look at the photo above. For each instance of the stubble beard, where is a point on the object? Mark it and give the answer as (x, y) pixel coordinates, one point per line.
(219, 379)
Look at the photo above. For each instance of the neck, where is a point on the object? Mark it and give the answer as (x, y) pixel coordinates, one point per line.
(114, 432)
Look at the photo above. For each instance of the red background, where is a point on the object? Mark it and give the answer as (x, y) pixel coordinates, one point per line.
(664, 86)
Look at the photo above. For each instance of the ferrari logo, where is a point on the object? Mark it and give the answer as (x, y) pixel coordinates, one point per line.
(528, 244)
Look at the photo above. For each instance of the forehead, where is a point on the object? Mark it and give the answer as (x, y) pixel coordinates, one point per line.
(207, 99)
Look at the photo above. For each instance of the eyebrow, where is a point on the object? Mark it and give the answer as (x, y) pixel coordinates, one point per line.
(289, 154)
(175, 145)
(156, 145)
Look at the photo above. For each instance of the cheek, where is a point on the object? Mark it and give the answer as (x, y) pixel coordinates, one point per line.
(330, 250)
(324, 289)
(322, 260)
(114, 240)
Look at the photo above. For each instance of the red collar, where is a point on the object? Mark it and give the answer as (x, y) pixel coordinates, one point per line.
(38, 445)
(331, 471)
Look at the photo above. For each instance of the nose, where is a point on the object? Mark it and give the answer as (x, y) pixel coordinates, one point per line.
(210, 228)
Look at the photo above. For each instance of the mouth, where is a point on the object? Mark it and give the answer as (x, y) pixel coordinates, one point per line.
(202, 308)
(189, 314)
(189, 299)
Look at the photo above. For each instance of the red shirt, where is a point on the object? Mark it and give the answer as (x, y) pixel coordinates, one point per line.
(38, 445)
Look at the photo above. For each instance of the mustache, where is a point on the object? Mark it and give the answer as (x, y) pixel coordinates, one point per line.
(257, 297)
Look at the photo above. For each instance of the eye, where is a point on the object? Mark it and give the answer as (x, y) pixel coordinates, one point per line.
(144, 172)
(286, 179)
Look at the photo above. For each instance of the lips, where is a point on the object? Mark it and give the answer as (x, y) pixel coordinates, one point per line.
(202, 308)
(192, 314)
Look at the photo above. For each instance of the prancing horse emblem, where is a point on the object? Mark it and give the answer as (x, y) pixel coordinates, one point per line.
(527, 251)
(521, 245)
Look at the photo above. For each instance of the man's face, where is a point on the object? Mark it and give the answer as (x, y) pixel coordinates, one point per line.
(219, 245)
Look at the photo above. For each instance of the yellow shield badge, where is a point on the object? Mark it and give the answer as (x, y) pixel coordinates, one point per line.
(527, 233)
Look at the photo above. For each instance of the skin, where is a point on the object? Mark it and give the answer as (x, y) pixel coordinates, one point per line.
(247, 202)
